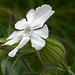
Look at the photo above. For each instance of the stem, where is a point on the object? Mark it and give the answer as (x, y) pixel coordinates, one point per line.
(64, 65)
(40, 58)
(71, 72)
(27, 66)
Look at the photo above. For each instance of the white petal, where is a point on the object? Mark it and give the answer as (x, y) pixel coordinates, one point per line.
(43, 32)
(37, 42)
(18, 36)
(13, 41)
(30, 16)
(22, 43)
(24, 40)
(13, 52)
(21, 24)
(41, 15)
(12, 35)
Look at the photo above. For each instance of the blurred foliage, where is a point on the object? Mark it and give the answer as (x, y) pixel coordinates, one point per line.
(61, 26)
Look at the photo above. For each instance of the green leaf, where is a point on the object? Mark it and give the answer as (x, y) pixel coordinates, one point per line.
(13, 72)
(2, 54)
(6, 10)
(3, 30)
(21, 57)
(3, 65)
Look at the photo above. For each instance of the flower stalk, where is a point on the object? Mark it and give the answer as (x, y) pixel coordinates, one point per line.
(66, 69)
(27, 66)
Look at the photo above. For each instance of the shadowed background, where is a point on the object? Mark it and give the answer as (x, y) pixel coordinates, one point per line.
(61, 25)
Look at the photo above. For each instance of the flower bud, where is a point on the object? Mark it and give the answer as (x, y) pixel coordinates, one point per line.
(53, 53)
(47, 72)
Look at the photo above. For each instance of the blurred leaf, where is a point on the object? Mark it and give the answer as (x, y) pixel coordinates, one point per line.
(21, 57)
(13, 72)
(67, 6)
(3, 54)
(3, 30)
(6, 10)
(3, 65)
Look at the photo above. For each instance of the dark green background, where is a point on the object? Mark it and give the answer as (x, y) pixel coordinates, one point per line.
(61, 24)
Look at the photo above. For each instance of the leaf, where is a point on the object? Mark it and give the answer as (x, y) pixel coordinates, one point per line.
(21, 57)
(3, 65)
(3, 30)
(2, 54)
(13, 72)
(6, 10)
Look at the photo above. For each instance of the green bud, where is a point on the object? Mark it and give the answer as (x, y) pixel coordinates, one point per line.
(47, 72)
(53, 53)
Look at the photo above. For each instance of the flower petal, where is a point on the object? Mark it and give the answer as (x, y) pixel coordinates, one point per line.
(15, 39)
(37, 42)
(43, 32)
(22, 43)
(30, 16)
(41, 15)
(24, 40)
(12, 35)
(13, 52)
(21, 24)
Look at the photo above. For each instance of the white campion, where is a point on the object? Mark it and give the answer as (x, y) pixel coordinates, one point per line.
(33, 29)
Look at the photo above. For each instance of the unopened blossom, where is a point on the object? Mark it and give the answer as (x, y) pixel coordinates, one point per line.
(32, 29)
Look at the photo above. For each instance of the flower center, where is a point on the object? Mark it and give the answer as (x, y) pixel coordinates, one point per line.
(27, 30)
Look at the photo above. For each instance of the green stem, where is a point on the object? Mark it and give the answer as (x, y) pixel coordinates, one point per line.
(71, 72)
(27, 66)
(66, 69)
(40, 58)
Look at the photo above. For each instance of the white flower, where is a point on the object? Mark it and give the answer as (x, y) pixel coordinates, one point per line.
(33, 29)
